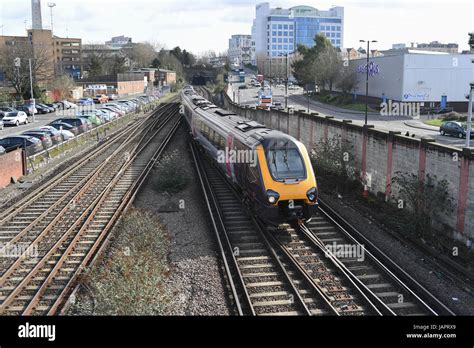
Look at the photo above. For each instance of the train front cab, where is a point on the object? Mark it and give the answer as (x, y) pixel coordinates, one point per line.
(289, 182)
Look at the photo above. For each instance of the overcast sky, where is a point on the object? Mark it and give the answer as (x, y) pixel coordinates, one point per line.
(201, 25)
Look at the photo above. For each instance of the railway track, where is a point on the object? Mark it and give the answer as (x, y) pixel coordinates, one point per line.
(291, 270)
(263, 280)
(59, 227)
(393, 290)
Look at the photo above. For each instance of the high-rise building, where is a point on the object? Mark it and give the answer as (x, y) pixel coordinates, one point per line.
(36, 14)
(277, 32)
(240, 50)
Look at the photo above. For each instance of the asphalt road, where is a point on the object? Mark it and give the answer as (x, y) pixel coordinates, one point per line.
(392, 123)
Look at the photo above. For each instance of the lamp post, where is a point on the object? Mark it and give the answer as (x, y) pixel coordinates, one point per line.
(287, 75)
(469, 116)
(367, 79)
(51, 5)
(33, 103)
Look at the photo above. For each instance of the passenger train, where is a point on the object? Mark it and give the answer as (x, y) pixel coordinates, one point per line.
(271, 169)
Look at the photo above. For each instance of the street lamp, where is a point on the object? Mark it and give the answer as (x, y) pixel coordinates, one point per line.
(287, 75)
(469, 116)
(367, 79)
(51, 5)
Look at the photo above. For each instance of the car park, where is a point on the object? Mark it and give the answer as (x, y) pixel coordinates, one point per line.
(80, 123)
(55, 106)
(31, 110)
(15, 118)
(32, 145)
(112, 96)
(86, 101)
(117, 110)
(41, 135)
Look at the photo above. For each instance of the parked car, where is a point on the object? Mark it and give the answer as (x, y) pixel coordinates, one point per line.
(31, 110)
(107, 115)
(53, 133)
(101, 99)
(55, 106)
(112, 96)
(2, 150)
(42, 109)
(25, 109)
(65, 126)
(81, 124)
(94, 119)
(50, 108)
(15, 118)
(456, 129)
(86, 101)
(118, 111)
(43, 136)
(243, 87)
(1, 123)
(5, 111)
(32, 145)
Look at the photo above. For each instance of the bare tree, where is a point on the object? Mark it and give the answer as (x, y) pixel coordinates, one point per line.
(42, 65)
(328, 67)
(61, 87)
(347, 81)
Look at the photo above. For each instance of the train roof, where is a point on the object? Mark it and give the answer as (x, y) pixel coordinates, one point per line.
(250, 132)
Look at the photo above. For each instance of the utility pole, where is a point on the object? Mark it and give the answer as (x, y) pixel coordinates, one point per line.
(33, 103)
(367, 79)
(469, 116)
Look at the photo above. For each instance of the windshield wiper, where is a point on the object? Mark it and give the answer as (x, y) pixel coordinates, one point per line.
(285, 156)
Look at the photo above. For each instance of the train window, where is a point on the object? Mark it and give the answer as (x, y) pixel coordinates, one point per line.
(285, 163)
(222, 143)
(253, 172)
(211, 135)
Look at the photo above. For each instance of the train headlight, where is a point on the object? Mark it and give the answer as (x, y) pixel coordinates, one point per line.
(272, 196)
(312, 194)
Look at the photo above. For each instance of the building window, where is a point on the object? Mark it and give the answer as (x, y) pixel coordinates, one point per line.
(322, 27)
(333, 41)
(338, 41)
(338, 34)
(285, 40)
(274, 26)
(285, 33)
(327, 34)
(274, 47)
(291, 40)
(285, 47)
(291, 33)
(338, 28)
(279, 47)
(280, 33)
(274, 33)
(291, 26)
(291, 47)
(333, 28)
(280, 26)
(333, 34)
(280, 40)
(274, 40)
(285, 26)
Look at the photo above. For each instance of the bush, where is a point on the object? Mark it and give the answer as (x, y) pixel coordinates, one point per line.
(170, 173)
(332, 161)
(425, 200)
(454, 116)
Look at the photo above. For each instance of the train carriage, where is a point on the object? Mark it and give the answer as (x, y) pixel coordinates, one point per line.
(271, 169)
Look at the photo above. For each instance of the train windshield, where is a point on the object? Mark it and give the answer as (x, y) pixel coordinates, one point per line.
(285, 163)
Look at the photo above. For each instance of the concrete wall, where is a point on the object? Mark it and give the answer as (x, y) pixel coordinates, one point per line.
(11, 165)
(377, 156)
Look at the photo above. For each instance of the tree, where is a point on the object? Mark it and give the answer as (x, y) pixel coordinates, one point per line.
(61, 87)
(141, 55)
(42, 65)
(327, 67)
(347, 81)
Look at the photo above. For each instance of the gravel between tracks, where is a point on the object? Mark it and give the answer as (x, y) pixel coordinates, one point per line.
(195, 285)
(412, 261)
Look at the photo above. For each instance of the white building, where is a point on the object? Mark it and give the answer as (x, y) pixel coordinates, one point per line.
(426, 77)
(277, 32)
(240, 50)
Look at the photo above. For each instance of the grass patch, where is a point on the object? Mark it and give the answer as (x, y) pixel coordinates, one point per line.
(341, 102)
(355, 107)
(129, 281)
